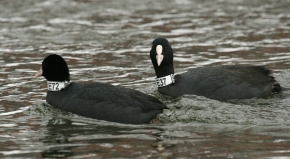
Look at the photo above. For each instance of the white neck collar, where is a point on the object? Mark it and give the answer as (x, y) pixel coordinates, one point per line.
(55, 85)
(165, 81)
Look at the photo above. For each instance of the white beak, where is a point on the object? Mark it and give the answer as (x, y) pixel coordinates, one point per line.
(159, 56)
(39, 73)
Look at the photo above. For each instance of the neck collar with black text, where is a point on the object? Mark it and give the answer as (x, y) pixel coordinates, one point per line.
(165, 81)
(55, 85)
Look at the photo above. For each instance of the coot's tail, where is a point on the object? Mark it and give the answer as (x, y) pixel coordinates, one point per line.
(276, 88)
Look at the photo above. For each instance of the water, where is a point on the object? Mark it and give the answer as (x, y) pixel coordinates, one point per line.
(109, 41)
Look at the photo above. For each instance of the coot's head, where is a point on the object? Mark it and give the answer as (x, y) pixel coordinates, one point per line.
(161, 55)
(54, 68)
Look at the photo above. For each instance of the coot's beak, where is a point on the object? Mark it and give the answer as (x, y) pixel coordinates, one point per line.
(159, 57)
(39, 73)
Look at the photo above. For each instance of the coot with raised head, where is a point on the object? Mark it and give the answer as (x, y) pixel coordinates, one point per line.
(219, 82)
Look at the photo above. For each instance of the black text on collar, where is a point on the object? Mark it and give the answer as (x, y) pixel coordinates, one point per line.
(55, 85)
(164, 81)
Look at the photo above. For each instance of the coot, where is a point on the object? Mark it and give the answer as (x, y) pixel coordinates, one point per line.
(219, 82)
(96, 100)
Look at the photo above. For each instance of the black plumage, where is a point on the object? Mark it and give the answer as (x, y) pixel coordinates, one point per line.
(99, 100)
(219, 82)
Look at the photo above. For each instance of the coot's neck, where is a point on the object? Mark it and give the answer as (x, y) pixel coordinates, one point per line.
(165, 75)
(163, 70)
(55, 85)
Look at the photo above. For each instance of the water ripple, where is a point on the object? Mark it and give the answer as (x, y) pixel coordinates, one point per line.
(109, 41)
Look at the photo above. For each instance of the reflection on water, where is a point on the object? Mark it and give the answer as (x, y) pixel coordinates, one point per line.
(109, 41)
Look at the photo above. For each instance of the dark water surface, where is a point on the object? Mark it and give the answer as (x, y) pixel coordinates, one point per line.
(109, 41)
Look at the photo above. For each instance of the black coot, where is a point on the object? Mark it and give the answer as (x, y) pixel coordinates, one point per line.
(96, 100)
(220, 82)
